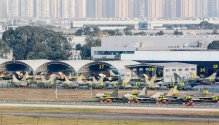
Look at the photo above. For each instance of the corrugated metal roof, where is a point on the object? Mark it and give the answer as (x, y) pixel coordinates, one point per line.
(174, 64)
(172, 56)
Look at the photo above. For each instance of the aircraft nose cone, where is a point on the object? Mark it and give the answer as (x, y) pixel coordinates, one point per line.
(99, 95)
(127, 95)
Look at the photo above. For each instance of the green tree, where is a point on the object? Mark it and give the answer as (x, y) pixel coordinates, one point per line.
(128, 33)
(79, 32)
(176, 32)
(4, 49)
(87, 30)
(214, 45)
(96, 30)
(78, 46)
(86, 48)
(37, 43)
(206, 25)
(160, 33)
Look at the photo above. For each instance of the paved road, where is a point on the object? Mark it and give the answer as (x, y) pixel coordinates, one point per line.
(111, 107)
(110, 116)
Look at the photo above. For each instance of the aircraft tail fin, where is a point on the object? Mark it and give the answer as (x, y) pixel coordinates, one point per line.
(102, 76)
(150, 83)
(143, 92)
(25, 77)
(94, 80)
(115, 92)
(112, 73)
(194, 76)
(213, 76)
(172, 91)
(80, 78)
(52, 77)
(15, 79)
(177, 76)
(175, 90)
(43, 78)
(66, 79)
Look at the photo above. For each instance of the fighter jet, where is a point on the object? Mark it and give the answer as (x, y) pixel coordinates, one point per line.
(81, 80)
(165, 98)
(205, 96)
(114, 97)
(208, 80)
(112, 76)
(99, 83)
(136, 98)
(68, 83)
(19, 83)
(47, 83)
(194, 80)
(151, 83)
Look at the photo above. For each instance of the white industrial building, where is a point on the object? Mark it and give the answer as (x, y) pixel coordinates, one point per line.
(164, 71)
(207, 61)
(112, 47)
(182, 56)
(182, 69)
(106, 24)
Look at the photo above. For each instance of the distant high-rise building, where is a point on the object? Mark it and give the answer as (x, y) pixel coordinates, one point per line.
(80, 8)
(43, 8)
(108, 8)
(54, 8)
(3, 8)
(170, 8)
(156, 8)
(201, 8)
(140, 8)
(178, 9)
(91, 8)
(131, 8)
(99, 8)
(187, 8)
(66, 8)
(26, 8)
(12, 8)
(213, 8)
(121, 9)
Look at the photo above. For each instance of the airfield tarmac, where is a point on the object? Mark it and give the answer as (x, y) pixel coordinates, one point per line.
(109, 112)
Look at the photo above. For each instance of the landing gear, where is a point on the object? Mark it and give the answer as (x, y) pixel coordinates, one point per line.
(106, 101)
(189, 103)
(162, 102)
(133, 101)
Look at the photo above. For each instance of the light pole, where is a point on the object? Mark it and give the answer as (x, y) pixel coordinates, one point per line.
(56, 91)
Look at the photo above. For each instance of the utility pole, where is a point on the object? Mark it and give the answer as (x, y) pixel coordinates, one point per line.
(1, 117)
(56, 91)
(38, 120)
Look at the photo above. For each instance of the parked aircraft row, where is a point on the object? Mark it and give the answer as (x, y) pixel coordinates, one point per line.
(171, 97)
(19, 79)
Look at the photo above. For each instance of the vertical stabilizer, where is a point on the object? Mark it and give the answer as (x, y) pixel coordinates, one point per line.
(115, 92)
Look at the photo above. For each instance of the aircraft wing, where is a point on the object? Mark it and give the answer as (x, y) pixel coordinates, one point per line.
(144, 99)
(205, 98)
(115, 98)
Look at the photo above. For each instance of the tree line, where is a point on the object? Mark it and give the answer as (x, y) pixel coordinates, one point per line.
(30, 42)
